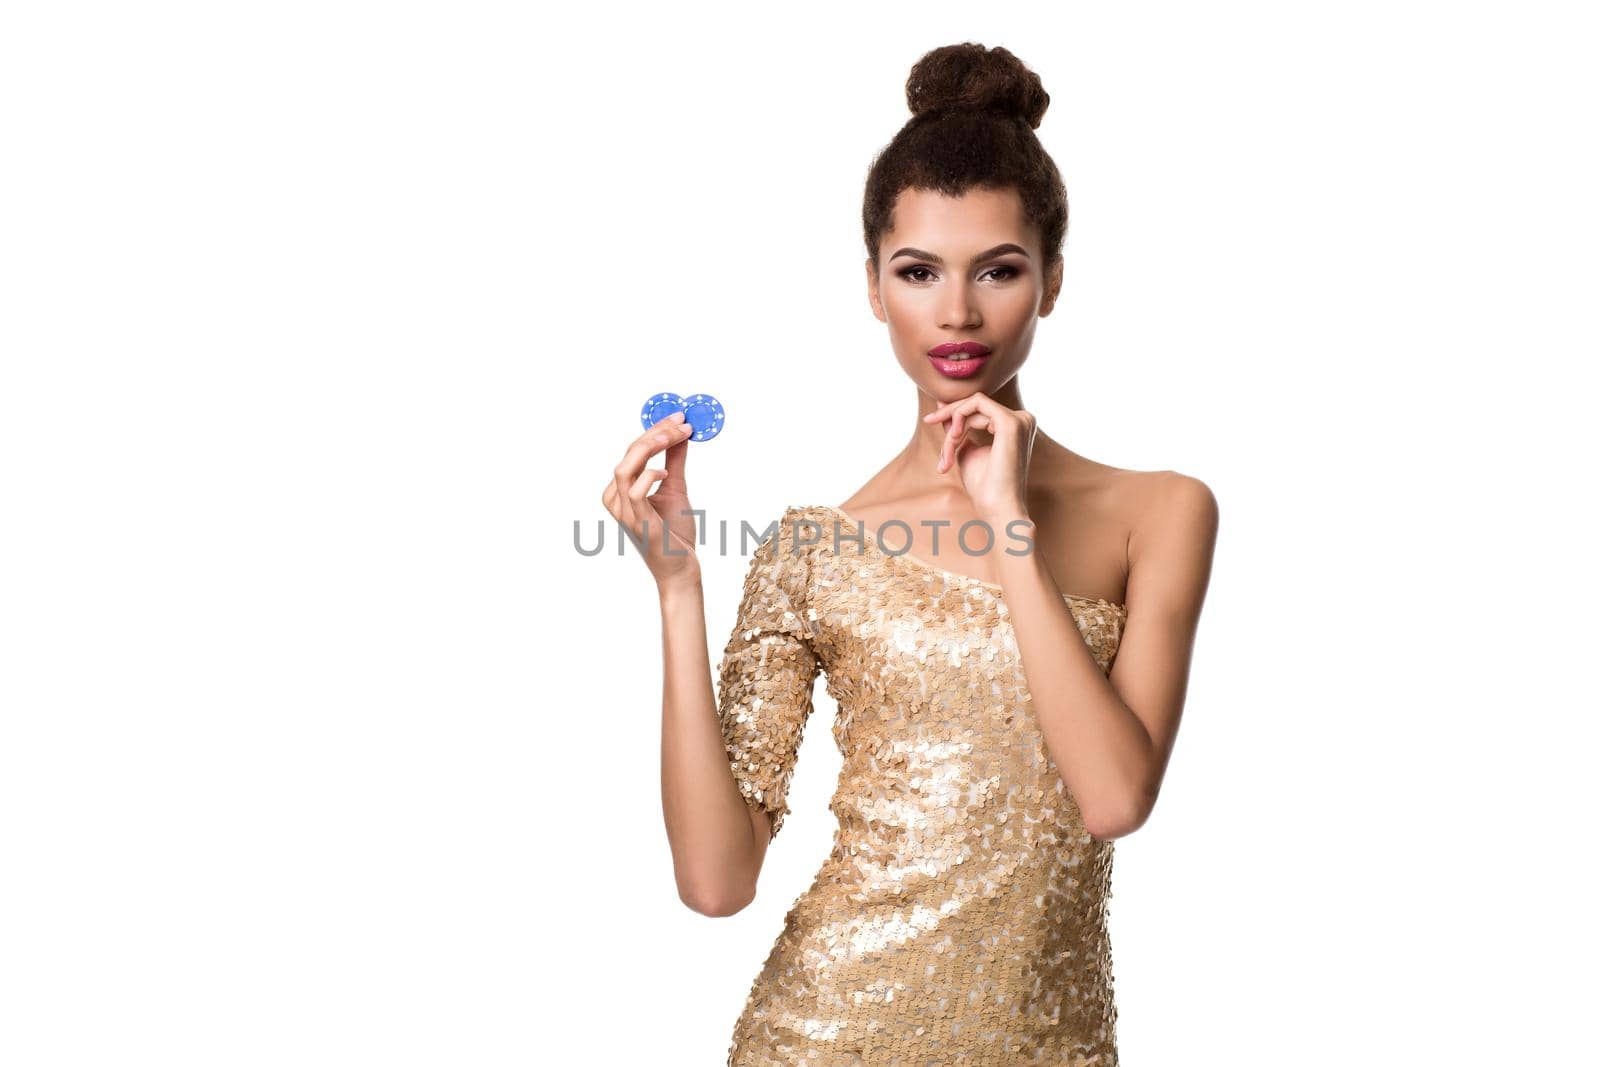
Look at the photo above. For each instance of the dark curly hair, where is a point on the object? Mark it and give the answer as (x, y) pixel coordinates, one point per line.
(973, 113)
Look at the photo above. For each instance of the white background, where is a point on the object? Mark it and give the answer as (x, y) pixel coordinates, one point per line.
(322, 323)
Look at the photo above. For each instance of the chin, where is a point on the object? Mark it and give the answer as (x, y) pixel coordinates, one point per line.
(955, 388)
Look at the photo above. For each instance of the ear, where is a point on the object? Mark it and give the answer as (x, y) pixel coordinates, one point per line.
(873, 296)
(1052, 286)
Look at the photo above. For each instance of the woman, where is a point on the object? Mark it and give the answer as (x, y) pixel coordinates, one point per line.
(991, 753)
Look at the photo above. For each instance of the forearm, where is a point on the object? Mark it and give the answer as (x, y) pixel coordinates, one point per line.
(715, 856)
(1100, 747)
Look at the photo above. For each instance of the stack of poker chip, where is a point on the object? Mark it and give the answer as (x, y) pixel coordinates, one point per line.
(700, 410)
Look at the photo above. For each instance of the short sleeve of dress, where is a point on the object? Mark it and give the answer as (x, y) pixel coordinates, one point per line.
(768, 671)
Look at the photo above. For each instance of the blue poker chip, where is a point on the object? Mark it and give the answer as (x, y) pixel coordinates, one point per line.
(660, 406)
(704, 412)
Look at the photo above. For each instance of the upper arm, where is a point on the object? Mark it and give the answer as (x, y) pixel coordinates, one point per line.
(768, 671)
(1170, 550)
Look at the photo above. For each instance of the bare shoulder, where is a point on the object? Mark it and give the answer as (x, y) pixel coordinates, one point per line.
(1122, 497)
(1105, 518)
(1159, 500)
(1171, 541)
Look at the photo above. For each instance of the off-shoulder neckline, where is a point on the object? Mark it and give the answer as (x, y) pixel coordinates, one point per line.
(955, 576)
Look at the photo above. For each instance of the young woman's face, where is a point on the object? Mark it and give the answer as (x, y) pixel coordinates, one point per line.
(958, 269)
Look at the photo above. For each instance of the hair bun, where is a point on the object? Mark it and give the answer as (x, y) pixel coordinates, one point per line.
(971, 77)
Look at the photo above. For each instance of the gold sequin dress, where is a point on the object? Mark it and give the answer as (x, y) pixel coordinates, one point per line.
(961, 915)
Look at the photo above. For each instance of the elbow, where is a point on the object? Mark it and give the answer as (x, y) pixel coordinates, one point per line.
(1110, 830)
(714, 903)
(1112, 823)
(719, 884)
(717, 893)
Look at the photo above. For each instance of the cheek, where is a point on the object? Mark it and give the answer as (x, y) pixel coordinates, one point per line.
(1014, 310)
(894, 302)
(1016, 300)
(909, 311)
(904, 317)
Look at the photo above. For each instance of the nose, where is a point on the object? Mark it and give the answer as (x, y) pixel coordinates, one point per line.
(958, 310)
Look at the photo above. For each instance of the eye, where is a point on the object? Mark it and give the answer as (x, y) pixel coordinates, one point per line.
(1005, 273)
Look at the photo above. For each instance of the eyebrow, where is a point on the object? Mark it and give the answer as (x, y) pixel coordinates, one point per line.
(997, 250)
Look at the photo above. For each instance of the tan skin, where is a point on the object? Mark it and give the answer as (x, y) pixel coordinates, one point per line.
(1143, 539)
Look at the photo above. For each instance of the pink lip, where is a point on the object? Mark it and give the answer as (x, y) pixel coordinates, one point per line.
(959, 348)
(958, 368)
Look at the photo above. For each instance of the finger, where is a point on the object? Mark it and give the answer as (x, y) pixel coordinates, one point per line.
(668, 431)
(650, 523)
(676, 456)
(642, 484)
(998, 419)
(954, 438)
(984, 403)
(967, 405)
(951, 444)
(623, 474)
(612, 501)
(673, 428)
(977, 423)
(941, 411)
